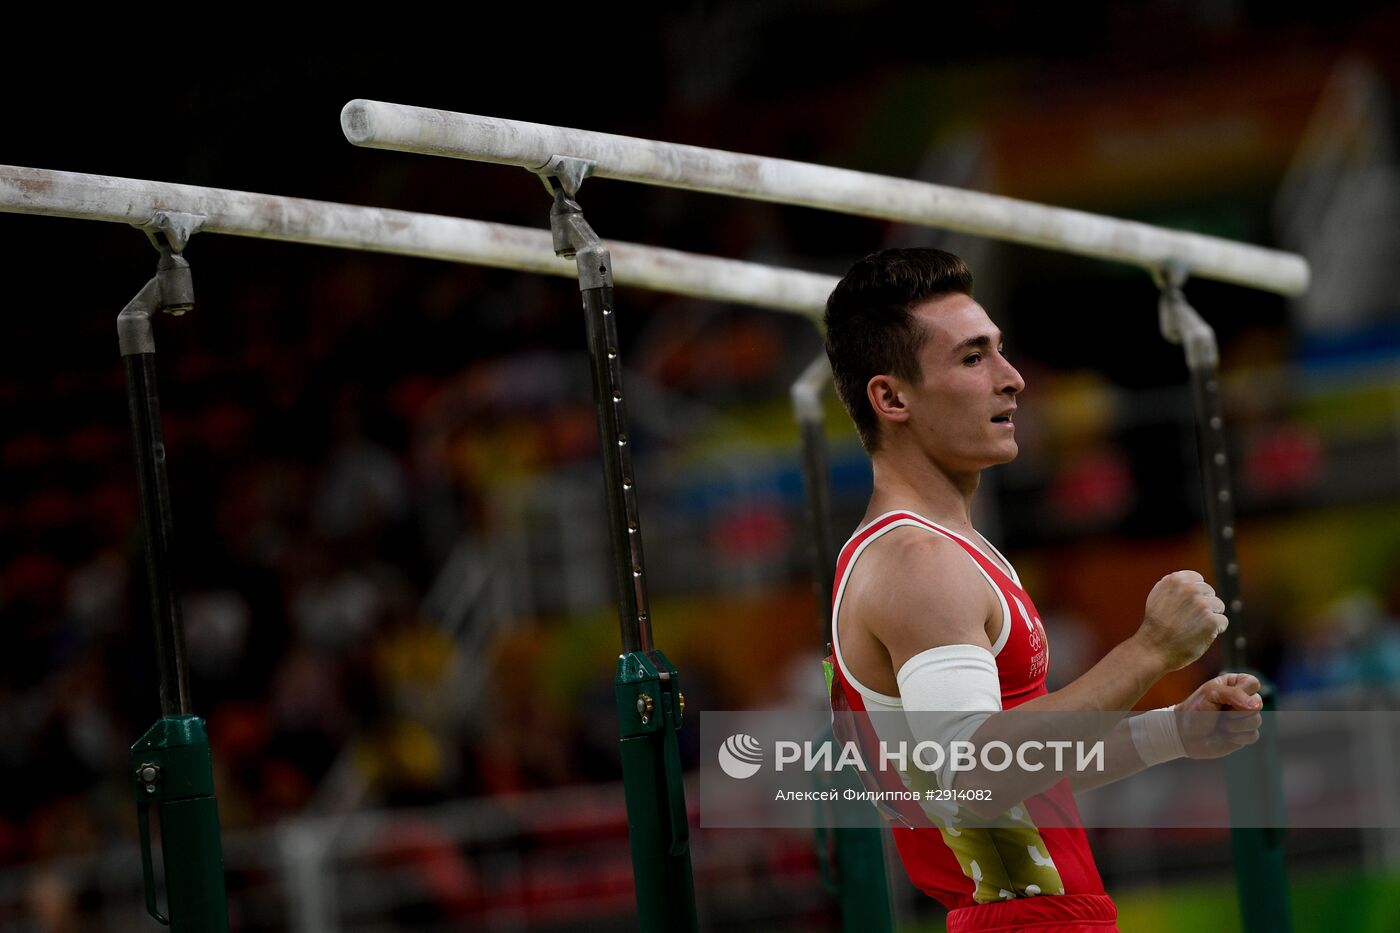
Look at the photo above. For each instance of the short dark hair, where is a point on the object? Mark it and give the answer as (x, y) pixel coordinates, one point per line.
(870, 330)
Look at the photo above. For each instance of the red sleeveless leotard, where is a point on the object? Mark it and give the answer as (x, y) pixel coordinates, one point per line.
(1022, 878)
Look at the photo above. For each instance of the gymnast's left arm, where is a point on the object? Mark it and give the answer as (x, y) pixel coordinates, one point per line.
(1221, 716)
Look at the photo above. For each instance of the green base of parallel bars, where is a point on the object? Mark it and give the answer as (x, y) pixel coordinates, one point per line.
(852, 863)
(172, 771)
(1255, 791)
(862, 890)
(649, 715)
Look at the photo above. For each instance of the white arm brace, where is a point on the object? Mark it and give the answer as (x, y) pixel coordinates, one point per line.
(960, 679)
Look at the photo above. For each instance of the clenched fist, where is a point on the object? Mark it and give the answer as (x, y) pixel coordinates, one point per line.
(1224, 716)
(1183, 618)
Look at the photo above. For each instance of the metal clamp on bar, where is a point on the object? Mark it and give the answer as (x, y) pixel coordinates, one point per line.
(565, 172)
(1180, 323)
(170, 290)
(174, 227)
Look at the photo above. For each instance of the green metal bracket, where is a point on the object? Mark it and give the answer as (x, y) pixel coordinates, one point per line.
(650, 709)
(1255, 792)
(852, 863)
(172, 771)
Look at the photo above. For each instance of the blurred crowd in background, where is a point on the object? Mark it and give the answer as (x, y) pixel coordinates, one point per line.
(387, 504)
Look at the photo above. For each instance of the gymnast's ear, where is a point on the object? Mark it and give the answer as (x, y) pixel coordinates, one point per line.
(886, 395)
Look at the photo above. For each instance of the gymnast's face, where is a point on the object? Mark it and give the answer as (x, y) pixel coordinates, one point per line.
(960, 412)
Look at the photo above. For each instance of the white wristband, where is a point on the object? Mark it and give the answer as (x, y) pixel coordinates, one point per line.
(1156, 737)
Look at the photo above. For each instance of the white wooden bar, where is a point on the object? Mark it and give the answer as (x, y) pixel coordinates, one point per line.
(380, 125)
(431, 236)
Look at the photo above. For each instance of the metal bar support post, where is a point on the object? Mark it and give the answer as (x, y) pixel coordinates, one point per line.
(650, 705)
(806, 395)
(1253, 782)
(171, 766)
(852, 861)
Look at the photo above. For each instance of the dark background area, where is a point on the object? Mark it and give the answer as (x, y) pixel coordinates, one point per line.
(337, 420)
(252, 103)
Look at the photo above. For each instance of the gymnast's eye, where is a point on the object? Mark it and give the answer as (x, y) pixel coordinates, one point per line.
(972, 359)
